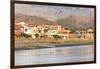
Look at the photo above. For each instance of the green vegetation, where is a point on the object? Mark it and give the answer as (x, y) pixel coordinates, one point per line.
(56, 37)
(37, 35)
(26, 35)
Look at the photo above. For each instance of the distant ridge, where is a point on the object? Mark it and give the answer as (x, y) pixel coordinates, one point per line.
(77, 22)
(32, 19)
(72, 22)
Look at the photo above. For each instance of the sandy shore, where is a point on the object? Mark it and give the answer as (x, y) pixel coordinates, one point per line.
(24, 44)
(50, 46)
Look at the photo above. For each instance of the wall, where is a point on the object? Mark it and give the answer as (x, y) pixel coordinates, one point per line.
(5, 34)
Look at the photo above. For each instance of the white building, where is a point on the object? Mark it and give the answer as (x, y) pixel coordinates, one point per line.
(64, 34)
(46, 30)
(52, 32)
(27, 30)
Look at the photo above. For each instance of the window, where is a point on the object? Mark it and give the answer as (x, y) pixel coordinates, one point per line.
(25, 30)
(53, 31)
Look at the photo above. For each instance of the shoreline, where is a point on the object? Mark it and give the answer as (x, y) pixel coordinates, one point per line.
(53, 46)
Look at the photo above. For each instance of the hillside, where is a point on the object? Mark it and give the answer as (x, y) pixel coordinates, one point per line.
(72, 22)
(31, 19)
(77, 22)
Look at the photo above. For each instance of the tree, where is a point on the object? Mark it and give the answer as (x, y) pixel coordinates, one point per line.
(56, 36)
(26, 35)
(37, 35)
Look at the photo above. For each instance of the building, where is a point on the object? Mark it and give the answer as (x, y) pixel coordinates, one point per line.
(52, 32)
(89, 34)
(19, 28)
(42, 30)
(64, 33)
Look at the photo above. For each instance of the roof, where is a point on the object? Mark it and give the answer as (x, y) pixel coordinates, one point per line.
(20, 23)
(90, 30)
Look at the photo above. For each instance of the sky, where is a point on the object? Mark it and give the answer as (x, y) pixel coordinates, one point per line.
(52, 13)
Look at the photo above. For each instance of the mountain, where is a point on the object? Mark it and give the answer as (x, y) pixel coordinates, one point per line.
(74, 22)
(31, 19)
